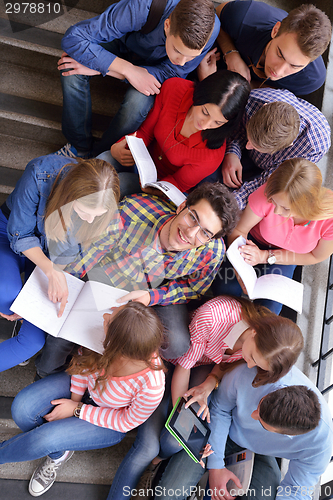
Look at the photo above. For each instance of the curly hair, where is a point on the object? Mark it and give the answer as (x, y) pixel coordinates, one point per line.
(222, 202)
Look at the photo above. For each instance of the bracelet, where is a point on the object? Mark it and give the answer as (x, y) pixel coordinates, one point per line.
(217, 383)
(229, 52)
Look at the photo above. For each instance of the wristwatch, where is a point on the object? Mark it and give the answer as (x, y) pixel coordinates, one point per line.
(271, 257)
(77, 410)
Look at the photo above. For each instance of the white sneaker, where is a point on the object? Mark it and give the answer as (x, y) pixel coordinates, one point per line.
(67, 150)
(70, 151)
(46, 473)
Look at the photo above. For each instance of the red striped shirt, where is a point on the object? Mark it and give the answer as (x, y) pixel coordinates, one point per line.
(125, 403)
(210, 331)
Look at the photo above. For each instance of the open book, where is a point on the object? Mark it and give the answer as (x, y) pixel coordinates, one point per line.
(269, 286)
(82, 319)
(147, 170)
(241, 464)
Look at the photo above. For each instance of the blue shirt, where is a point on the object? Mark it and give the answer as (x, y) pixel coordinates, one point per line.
(123, 20)
(27, 204)
(312, 142)
(230, 409)
(249, 24)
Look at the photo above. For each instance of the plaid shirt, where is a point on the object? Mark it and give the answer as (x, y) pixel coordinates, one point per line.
(313, 141)
(131, 255)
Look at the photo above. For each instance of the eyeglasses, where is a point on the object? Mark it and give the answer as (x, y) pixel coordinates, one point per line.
(192, 221)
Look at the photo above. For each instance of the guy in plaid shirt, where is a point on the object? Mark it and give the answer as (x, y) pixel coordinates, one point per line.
(311, 142)
(137, 260)
(163, 256)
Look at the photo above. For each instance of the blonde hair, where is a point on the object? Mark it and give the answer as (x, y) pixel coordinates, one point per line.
(94, 183)
(273, 127)
(301, 180)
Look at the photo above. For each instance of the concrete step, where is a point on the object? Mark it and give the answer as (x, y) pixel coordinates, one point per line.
(29, 112)
(34, 77)
(16, 152)
(30, 127)
(25, 82)
(18, 490)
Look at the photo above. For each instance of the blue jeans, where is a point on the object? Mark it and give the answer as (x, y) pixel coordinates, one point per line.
(77, 112)
(145, 447)
(30, 338)
(40, 438)
(129, 179)
(147, 443)
(182, 474)
(225, 282)
(168, 444)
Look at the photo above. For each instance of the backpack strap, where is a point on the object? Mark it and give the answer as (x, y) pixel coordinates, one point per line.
(155, 14)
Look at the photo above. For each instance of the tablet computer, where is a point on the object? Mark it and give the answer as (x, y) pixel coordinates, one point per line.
(188, 429)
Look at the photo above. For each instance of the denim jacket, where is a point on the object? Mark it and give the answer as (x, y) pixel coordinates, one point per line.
(27, 203)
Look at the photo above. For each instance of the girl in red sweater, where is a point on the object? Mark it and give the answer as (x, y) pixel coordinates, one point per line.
(185, 131)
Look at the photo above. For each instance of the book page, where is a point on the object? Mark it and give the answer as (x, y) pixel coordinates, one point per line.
(84, 326)
(33, 304)
(143, 160)
(281, 289)
(241, 464)
(246, 271)
(171, 191)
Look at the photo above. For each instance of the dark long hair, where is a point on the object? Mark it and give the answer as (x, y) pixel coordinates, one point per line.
(228, 90)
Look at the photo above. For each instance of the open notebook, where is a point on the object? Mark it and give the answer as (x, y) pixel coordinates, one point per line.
(82, 320)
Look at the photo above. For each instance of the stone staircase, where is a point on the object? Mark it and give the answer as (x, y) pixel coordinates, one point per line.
(30, 90)
(30, 126)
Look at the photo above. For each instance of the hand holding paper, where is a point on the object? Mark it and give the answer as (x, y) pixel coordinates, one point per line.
(269, 286)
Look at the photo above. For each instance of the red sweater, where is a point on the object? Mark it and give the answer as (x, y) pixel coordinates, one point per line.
(184, 164)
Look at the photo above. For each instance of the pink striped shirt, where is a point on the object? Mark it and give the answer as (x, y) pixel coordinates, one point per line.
(125, 403)
(213, 330)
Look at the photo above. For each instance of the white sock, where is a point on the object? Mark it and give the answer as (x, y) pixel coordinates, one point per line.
(62, 458)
